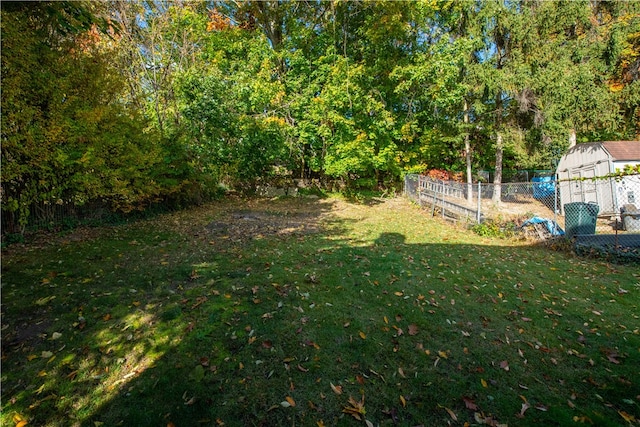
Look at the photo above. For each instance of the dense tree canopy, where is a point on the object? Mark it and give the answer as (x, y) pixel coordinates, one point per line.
(134, 102)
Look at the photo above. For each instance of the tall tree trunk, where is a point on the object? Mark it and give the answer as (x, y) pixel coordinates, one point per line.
(467, 153)
(572, 138)
(497, 177)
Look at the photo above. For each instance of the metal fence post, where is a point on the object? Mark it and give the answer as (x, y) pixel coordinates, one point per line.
(555, 203)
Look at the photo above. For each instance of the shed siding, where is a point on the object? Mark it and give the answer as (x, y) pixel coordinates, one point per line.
(590, 160)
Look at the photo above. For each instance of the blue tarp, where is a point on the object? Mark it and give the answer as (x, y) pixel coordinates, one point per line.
(543, 186)
(552, 226)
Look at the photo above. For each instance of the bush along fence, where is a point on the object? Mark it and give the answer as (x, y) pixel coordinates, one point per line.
(598, 215)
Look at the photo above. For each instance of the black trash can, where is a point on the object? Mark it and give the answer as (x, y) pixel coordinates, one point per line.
(580, 218)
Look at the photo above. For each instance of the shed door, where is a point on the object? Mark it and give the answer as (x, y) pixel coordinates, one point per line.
(589, 185)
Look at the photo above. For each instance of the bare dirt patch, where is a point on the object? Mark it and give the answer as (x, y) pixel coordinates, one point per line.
(239, 220)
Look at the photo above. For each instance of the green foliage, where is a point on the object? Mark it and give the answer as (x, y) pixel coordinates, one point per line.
(494, 228)
(166, 101)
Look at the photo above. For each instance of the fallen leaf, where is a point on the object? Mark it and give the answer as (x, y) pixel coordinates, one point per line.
(401, 372)
(483, 382)
(290, 400)
(45, 300)
(355, 408)
(336, 389)
(403, 401)
(504, 365)
(469, 403)
(452, 414)
(524, 408)
(612, 356)
(412, 329)
(627, 417)
(362, 335)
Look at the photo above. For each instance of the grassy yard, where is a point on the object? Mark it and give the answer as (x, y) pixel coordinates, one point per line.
(312, 312)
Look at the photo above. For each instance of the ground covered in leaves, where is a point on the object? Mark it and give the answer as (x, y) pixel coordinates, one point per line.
(315, 312)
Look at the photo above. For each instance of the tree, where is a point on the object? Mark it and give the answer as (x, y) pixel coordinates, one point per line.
(66, 136)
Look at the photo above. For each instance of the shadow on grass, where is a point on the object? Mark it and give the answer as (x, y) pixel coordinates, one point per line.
(301, 327)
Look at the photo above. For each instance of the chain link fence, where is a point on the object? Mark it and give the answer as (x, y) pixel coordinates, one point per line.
(598, 215)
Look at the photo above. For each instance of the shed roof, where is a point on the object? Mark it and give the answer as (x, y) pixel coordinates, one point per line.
(623, 150)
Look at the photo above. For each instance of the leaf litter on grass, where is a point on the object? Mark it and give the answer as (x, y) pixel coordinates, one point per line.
(378, 300)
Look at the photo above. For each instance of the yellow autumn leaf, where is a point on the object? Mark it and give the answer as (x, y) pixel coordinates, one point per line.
(362, 335)
(627, 417)
(386, 320)
(403, 401)
(356, 408)
(291, 401)
(483, 382)
(616, 87)
(443, 354)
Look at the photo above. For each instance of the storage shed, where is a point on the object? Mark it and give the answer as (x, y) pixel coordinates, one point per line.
(598, 159)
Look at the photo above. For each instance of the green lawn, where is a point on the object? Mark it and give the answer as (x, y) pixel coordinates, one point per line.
(312, 312)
